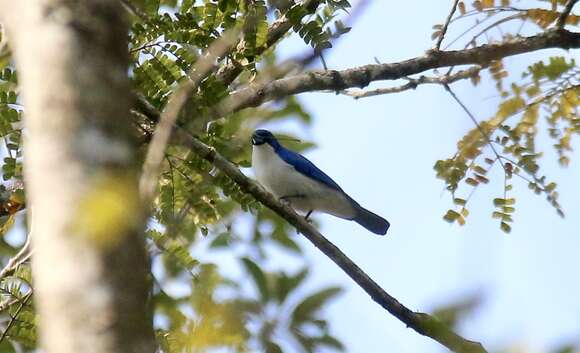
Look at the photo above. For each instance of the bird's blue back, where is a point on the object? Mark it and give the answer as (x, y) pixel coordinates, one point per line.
(304, 166)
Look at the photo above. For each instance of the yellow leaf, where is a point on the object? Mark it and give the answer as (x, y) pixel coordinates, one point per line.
(461, 7)
(487, 3)
(510, 107)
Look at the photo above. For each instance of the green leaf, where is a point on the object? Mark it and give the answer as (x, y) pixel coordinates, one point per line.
(451, 216)
(221, 241)
(258, 276)
(272, 347)
(286, 241)
(505, 227)
(331, 342)
(307, 308)
(286, 284)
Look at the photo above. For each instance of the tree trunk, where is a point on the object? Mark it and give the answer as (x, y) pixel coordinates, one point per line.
(89, 262)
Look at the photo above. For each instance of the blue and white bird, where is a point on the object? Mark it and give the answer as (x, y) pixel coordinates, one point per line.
(295, 180)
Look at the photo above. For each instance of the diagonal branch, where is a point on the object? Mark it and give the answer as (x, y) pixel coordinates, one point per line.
(565, 13)
(21, 257)
(446, 25)
(422, 323)
(362, 76)
(13, 318)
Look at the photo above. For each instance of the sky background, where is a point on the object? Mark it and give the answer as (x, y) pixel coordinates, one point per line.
(381, 151)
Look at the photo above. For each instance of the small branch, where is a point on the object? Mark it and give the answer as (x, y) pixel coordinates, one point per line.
(420, 322)
(415, 82)
(23, 302)
(561, 22)
(7, 304)
(21, 257)
(474, 120)
(180, 96)
(517, 16)
(446, 25)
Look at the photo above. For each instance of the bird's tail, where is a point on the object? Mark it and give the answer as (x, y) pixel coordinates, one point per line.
(371, 221)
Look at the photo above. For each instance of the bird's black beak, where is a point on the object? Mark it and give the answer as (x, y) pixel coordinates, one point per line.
(257, 140)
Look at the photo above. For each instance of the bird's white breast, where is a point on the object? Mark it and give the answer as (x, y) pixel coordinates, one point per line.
(283, 180)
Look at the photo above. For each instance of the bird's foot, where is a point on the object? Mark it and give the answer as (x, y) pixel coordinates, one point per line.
(286, 199)
(307, 217)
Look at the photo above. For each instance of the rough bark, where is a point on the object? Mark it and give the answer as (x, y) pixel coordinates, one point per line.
(89, 262)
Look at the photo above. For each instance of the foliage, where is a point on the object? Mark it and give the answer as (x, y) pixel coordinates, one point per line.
(548, 89)
(196, 207)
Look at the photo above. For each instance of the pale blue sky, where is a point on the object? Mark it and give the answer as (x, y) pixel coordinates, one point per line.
(381, 151)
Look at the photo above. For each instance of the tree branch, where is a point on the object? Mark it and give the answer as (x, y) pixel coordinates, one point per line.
(446, 25)
(15, 261)
(13, 318)
(415, 82)
(420, 322)
(89, 264)
(564, 15)
(362, 76)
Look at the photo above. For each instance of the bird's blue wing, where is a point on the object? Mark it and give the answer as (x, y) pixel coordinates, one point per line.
(304, 166)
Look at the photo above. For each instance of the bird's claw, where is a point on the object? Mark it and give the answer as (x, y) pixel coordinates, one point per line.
(285, 201)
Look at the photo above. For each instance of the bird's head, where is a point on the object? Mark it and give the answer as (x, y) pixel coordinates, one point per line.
(260, 137)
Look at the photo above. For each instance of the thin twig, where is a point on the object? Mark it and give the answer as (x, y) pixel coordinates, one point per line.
(277, 30)
(420, 322)
(162, 134)
(467, 30)
(8, 303)
(474, 120)
(489, 12)
(561, 22)
(446, 25)
(13, 319)
(496, 23)
(415, 82)
(21, 257)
